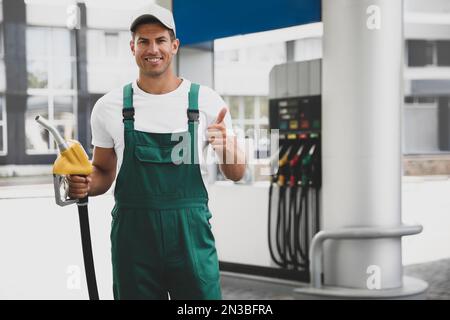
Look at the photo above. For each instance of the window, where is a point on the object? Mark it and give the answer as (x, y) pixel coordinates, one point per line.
(423, 53)
(50, 63)
(420, 125)
(443, 53)
(111, 44)
(109, 59)
(51, 86)
(1, 41)
(2, 63)
(3, 132)
(307, 49)
(420, 100)
(3, 136)
(250, 114)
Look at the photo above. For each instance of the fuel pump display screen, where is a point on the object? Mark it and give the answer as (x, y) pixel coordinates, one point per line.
(295, 114)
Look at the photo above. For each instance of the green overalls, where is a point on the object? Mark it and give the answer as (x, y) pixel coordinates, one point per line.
(161, 239)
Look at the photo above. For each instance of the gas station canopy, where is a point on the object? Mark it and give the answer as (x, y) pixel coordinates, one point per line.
(201, 21)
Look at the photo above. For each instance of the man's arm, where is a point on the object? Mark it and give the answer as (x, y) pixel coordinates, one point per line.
(100, 180)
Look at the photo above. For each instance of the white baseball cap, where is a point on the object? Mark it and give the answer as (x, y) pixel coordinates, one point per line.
(151, 13)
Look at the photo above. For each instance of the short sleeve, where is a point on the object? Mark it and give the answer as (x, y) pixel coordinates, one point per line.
(100, 135)
(211, 103)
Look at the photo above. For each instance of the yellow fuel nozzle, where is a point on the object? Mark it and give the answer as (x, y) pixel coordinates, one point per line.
(71, 160)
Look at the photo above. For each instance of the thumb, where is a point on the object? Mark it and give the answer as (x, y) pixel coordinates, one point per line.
(221, 115)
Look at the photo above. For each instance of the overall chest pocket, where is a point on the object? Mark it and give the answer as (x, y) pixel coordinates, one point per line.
(174, 154)
(152, 154)
(156, 173)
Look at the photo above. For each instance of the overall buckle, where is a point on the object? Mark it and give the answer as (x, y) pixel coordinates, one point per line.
(193, 115)
(128, 114)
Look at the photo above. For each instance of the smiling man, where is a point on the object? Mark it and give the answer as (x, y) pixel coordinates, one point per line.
(162, 244)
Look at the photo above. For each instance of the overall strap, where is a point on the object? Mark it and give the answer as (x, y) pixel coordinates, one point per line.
(193, 117)
(128, 110)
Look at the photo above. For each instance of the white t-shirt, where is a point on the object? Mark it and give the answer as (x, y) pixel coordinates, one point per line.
(157, 113)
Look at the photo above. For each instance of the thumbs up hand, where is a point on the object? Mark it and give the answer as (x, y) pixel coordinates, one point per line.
(221, 115)
(217, 134)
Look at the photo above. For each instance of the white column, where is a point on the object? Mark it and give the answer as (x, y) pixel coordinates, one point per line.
(362, 99)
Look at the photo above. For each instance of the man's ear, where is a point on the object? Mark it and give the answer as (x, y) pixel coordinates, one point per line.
(175, 46)
(132, 46)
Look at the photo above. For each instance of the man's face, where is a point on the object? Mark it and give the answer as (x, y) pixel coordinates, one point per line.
(153, 49)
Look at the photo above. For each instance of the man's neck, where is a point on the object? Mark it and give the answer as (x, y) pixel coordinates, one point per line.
(159, 85)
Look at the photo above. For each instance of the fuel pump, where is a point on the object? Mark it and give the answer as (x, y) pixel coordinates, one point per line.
(294, 220)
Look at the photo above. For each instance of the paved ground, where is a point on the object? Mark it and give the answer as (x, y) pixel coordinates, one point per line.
(436, 273)
(236, 288)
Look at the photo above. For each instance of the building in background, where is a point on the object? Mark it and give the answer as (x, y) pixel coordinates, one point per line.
(57, 59)
(243, 63)
(426, 112)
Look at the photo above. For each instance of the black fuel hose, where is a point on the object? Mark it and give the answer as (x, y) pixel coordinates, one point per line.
(87, 248)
